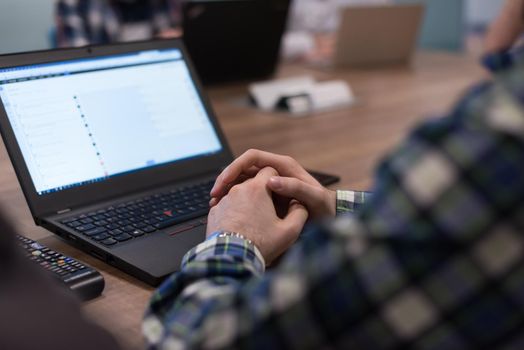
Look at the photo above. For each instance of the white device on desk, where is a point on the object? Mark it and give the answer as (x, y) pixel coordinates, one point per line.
(300, 95)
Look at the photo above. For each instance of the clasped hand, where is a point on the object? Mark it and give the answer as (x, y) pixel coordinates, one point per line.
(267, 198)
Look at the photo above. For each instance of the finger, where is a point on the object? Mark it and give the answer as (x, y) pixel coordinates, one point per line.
(285, 166)
(310, 196)
(296, 217)
(241, 179)
(246, 161)
(265, 174)
(220, 188)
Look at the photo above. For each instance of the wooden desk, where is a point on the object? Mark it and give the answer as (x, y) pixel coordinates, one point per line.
(347, 142)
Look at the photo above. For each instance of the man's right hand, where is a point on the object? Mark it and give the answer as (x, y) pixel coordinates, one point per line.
(294, 181)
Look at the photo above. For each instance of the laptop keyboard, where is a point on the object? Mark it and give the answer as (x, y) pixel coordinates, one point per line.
(136, 218)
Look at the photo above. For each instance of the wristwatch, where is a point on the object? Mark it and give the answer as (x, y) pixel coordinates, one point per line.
(222, 234)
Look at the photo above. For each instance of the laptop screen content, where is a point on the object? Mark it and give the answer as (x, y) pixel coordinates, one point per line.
(84, 121)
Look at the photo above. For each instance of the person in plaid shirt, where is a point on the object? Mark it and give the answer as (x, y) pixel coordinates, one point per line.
(431, 259)
(90, 22)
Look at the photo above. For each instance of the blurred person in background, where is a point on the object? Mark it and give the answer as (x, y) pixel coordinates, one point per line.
(90, 22)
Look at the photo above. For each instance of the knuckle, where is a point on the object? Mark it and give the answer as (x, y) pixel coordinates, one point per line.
(293, 164)
(290, 160)
(250, 152)
(271, 171)
(292, 184)
(234, 190)
(240, 189)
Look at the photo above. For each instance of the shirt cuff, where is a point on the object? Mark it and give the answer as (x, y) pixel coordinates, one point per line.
(502, 60)
(350, 201)
(230, 249)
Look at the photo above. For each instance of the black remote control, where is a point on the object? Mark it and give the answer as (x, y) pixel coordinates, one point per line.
(86, 282)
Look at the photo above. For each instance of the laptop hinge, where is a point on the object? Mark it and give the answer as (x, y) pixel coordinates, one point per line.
(63, 211)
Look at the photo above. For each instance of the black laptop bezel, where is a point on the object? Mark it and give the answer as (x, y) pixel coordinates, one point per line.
(141, 180)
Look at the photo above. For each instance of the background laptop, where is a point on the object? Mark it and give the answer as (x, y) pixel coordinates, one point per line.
(230, 40)
(115, 149)
(376, 35)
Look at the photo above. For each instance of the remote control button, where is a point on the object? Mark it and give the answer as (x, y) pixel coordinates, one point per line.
(36, 245)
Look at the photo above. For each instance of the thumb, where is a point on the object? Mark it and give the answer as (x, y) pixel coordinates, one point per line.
(295, 218)
(289, 187)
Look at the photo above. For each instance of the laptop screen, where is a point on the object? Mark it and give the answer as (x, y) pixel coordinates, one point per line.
(84, 121)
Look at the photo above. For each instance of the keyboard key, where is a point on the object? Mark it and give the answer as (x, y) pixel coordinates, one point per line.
(109, 241)
(128, 228)
(74, 224)
(137, 233)
(115, 232)
(86, 221)
(83, 228)
(67, 221)
(113, 226)
(123, 237)
(95, 231)
(149, 229)
(100, 237)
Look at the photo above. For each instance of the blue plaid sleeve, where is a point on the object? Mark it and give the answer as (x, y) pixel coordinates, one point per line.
(351, 201)
(434, 260)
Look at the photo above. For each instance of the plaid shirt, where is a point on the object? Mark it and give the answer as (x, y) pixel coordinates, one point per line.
(89, 22)
(433, 259)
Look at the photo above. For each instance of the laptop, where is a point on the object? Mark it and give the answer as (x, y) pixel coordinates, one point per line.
(116, 149)
(377, 34)
(234, 40)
